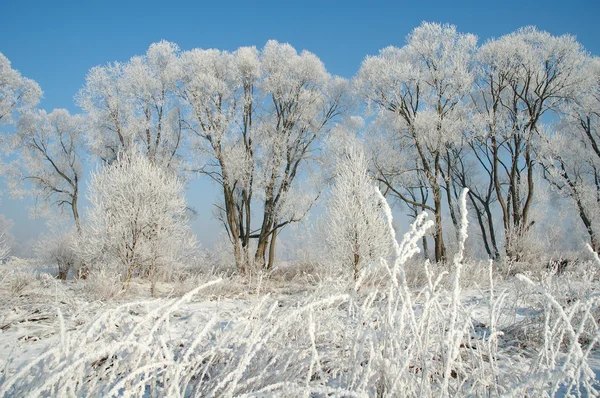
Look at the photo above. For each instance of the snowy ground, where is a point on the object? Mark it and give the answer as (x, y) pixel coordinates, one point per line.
(278, 338)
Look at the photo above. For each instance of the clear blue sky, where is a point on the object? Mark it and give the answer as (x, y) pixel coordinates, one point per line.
(57, 42)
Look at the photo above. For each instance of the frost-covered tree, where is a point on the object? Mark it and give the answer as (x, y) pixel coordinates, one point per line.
(571, 155)
(356, 231)
(257, 117)
(17, 93)
(304, 101)
(137, 224)
(422, 86)
(48, 163)
(522, 77)
(219, 88)
(471, 170)
(134, 103)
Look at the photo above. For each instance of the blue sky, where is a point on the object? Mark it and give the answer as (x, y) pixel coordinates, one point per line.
(56, 43)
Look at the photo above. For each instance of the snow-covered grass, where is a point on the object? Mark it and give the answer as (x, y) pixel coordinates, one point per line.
(238, 336)
(515, 338)
(462, 331)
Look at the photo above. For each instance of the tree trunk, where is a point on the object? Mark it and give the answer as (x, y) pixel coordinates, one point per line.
(261, 249)
(452, 211)
(356, 257)
(497, 187)
(267, 225)
(76, 213)
(492, 230)
(481, 225)
(440, 249)
(232, 223)
(588, 226)
(449, 181)
(425, 248)
(272, 250)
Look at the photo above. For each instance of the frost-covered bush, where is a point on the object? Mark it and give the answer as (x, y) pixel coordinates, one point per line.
(220, 257)
(103, 284)
(18, 281)
(137, 224)
(59, 249)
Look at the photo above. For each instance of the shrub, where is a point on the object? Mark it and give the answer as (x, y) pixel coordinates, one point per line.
(59, 249)
(137, 224)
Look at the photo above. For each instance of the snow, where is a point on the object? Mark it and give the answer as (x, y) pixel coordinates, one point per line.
(269, 338)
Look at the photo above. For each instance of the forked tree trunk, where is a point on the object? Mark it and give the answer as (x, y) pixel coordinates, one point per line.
(231, 216)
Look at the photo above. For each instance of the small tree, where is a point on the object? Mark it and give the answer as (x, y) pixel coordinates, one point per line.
(138, 223)
(59, 249)
(356, 231)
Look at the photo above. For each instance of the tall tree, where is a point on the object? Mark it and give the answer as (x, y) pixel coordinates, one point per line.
(423, 85)
(304, 101)
(48, 163)
(219, 89)
(522, 76)
(571, 155)
(257, 117)
(135, 104)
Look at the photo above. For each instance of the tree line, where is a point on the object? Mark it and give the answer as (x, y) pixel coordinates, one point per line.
(421, 122)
